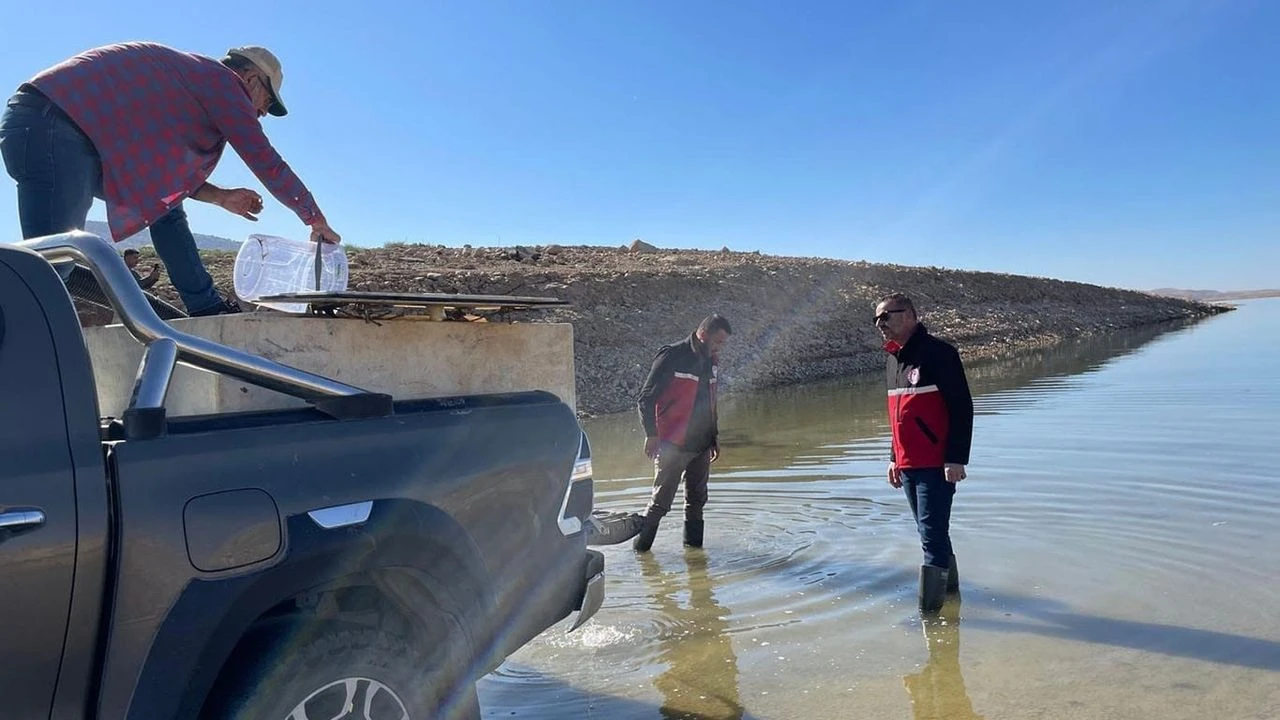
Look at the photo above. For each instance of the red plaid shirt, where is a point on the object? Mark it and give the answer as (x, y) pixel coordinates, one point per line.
(160, 119)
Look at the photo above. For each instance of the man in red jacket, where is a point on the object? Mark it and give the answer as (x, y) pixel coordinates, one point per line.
(142, 126)
(931, 416)
(678, 411)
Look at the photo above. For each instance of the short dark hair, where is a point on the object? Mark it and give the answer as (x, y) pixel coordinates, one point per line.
(900, 300)
(714, 323)
(132, 251)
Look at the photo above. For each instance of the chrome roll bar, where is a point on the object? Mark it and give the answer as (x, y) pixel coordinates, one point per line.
(166, 345)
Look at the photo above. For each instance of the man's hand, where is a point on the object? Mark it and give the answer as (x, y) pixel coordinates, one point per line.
(715, 452)
(651, 448)
(954, 472)
(241, 201)
(321, 232)
(895, 475)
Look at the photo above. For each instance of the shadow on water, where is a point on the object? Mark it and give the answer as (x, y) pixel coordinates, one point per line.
(1050, 618)
(792, 426)
(700, 673)
(938, 690)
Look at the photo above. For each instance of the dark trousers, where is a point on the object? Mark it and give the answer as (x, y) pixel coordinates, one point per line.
(929, 495)
(673, 466)
(59, 173)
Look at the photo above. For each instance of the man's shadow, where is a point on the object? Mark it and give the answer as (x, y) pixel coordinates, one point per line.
(701, 677)
(937, 692)
(1051, 618)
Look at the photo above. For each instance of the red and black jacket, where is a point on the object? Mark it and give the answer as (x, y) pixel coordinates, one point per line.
(678, 401)
(930, 408)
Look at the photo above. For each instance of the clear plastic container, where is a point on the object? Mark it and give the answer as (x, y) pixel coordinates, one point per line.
(267, 265)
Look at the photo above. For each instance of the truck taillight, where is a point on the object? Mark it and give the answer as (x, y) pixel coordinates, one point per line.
(578, 496)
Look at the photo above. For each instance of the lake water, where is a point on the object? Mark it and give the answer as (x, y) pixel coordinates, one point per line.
(1118, 540)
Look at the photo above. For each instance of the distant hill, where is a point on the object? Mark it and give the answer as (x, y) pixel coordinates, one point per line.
(204, 242)
(1214, 295)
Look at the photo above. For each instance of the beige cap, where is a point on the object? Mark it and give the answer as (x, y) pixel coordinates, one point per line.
(267, 62)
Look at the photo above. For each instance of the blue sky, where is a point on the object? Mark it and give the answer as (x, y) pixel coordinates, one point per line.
(1124, 143)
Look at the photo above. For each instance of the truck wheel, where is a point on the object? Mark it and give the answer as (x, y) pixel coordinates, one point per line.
(351, 673)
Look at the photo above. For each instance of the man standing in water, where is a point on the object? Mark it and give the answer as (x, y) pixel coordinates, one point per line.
(678, 410)
(931, 416)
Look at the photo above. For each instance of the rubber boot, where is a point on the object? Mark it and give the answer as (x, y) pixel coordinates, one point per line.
(953, 578)
(933, 588)
(648, 532)
(693, 533)
(612, 528)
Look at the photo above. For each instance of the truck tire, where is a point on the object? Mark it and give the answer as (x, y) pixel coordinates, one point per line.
(338, 674)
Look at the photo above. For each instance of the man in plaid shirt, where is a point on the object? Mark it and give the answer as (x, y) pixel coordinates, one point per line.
(142, 126)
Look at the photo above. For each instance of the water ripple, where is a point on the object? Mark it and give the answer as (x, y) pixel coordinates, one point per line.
(1117, 520)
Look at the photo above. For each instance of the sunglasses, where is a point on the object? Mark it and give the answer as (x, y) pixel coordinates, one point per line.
(884, 316)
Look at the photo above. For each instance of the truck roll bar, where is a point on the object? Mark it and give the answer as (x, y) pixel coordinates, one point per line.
(166, 345)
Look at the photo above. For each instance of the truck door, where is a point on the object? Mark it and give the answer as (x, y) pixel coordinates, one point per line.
(37, 499)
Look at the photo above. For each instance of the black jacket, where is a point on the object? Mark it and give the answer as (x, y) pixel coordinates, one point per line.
(930, 408)
(678, 401)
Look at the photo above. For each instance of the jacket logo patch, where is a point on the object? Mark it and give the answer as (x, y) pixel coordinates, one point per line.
(913, 375)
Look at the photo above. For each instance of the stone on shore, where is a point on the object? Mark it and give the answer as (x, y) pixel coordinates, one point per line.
(794, 319)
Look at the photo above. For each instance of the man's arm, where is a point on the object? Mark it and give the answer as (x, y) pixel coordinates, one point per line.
(240, 201)
(890, 373)
(715, 428)
(233, 114)
(893, 474)
(146, 283)
(659, 375)
(954, 387)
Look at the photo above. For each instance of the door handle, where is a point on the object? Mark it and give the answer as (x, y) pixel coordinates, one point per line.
(21, 519)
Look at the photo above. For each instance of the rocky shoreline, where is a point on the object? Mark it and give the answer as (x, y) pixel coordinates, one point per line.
(795, 319)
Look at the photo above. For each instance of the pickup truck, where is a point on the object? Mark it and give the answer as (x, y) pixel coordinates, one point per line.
(361, 556)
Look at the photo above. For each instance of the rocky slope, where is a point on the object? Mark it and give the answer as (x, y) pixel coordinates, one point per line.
(794, 319)
(1216, 295)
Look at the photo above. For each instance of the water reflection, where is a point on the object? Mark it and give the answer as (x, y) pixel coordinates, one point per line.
(937, 692)
(789, 428)
(701, 677)
(1126, 485)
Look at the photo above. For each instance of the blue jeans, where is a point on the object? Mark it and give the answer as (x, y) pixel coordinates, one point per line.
(59, 173)
(171, 237)
(929, 495)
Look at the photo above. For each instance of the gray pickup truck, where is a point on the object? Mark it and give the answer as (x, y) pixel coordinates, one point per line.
(362, 556)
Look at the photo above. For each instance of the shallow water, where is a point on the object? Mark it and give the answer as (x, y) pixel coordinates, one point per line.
(1118, 541)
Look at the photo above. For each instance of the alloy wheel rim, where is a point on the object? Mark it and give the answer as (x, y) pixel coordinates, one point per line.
(354, 698)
